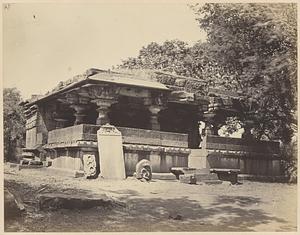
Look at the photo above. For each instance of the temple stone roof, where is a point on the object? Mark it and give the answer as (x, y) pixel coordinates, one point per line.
(152, 79)
(127, 79)
(181, 87)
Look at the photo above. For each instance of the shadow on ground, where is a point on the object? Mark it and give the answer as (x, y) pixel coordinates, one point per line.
(225, 213)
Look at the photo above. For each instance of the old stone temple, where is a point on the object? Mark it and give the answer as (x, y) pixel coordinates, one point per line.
(157, 115)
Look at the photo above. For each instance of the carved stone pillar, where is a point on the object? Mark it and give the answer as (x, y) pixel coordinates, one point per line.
(248, 124)
(155, 104)
(103, 109)
(154, 122)
(211, 128)
(80, 105)
(80, 113)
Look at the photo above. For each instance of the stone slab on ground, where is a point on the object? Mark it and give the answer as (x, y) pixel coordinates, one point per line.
(199, 178)
(64, 172)
(260, 178)
(66, 201)
(249, 207)
(163, 176)
(177, 171)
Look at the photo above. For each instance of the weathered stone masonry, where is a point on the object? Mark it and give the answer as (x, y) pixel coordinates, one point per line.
(157, 113)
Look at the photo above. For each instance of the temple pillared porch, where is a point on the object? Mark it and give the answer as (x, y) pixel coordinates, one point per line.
(158, 117)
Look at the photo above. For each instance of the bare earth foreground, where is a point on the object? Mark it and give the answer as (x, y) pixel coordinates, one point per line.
(155, 206)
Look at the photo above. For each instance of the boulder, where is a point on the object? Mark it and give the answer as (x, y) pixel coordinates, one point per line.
(13, 206)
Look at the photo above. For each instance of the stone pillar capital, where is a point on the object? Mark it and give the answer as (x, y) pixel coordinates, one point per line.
(155, 109)
(104, 103)
(103, 106)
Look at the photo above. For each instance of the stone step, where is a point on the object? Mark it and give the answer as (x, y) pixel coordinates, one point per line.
(163, 176)
(177, 171)
(200, 178)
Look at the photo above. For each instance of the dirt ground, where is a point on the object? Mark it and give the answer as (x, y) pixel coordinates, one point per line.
(155, 206)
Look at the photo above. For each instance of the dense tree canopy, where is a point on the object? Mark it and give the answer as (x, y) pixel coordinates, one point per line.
(256, 44)
(14, 121)
(250, 48)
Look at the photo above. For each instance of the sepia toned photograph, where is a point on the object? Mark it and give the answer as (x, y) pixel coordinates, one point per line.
(149, 116)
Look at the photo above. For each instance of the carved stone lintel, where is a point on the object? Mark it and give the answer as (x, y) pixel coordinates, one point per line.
(103, 92)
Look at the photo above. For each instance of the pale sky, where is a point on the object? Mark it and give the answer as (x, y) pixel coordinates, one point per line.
(44, 43)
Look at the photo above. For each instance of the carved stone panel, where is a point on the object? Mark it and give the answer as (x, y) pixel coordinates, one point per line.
(89, 165)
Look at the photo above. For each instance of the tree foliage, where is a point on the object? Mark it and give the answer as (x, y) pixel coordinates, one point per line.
(14, 121)
(250, 48)
(256, 44)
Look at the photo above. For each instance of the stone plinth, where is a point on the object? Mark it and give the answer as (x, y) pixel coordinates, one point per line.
(112, 165)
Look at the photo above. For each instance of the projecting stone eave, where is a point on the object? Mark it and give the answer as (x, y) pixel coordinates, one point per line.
(94, 77)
